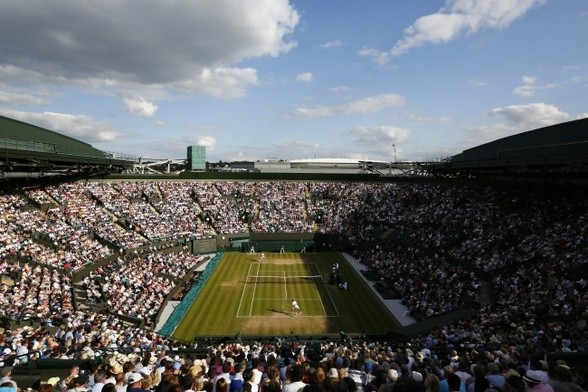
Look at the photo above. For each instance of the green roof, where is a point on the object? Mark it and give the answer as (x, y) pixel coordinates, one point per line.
(20, 135)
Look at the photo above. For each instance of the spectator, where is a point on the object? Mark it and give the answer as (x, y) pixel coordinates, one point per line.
(80, 384)
(294, 382)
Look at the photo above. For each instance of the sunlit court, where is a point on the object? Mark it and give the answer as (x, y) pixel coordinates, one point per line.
(272, 284)
(253, 294)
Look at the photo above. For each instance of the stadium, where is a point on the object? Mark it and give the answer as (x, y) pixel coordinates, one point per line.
(480, 258)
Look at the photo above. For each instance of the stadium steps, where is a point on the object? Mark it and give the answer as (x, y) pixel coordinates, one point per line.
(82, 299)
(486, 294)
(429, 324)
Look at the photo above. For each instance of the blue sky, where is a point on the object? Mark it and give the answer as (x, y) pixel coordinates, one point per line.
(257, 79)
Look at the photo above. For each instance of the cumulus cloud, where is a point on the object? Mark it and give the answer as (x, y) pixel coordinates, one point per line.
(455, 18)
(221, 82)
(459, 16)
(140, 106)
(148, 42)
(516, 119)
(529, 86)
(305, 77)
(533, 115)
(81, 127)
(371, 104)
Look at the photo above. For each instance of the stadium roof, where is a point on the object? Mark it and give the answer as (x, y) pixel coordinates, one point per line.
(16, 131)
(560, 148)
(29, 150)
(359, 164)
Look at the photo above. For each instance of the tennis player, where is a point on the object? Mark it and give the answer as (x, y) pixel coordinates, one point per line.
(295, 307)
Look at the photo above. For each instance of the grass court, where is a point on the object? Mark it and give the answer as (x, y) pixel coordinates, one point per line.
(253, 296)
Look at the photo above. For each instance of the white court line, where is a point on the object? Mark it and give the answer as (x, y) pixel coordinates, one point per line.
(243, 292)
(317, 289)
(331, 298)
(301, 299)
(285, 286)
(297, 316)
(254, 288)
(253, 299)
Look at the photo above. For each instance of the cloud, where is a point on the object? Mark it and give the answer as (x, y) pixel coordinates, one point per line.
(81, 127)
(331, 44)
(140, 106)
(458, 16)
(379, 140)
(338, 89)
(477, 82)
(374, 135)
(225, 83)
(379, 57)
(430, 120)
(305, 77)
(530, 86)
(371, 104)
(152, 42)
(517, 119)
(455, 18)
(199, 140)
(297, 149)
(531, 116)
(21, 98)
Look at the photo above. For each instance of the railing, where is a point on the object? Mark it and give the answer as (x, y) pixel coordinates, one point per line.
(52, 148)
(27, 145)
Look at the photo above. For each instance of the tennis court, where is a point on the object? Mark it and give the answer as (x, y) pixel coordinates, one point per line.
(251, 295)
(271, 285)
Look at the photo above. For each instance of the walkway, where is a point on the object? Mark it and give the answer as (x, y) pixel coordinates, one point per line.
(399, 311)
(171, 305)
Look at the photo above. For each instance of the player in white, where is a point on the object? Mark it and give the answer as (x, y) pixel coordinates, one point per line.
(262, 257)
(295, 307)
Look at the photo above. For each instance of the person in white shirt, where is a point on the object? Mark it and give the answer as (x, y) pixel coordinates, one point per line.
(294, 382)
(296, 307)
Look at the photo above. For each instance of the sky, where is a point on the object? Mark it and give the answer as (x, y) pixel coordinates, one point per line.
(291, 79)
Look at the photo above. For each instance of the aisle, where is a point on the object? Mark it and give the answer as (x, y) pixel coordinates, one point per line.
(398, 310)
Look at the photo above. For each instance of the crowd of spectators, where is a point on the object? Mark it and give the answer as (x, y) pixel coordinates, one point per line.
(35, 292)
(281, 208)
(151, 364)
(435, 245)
